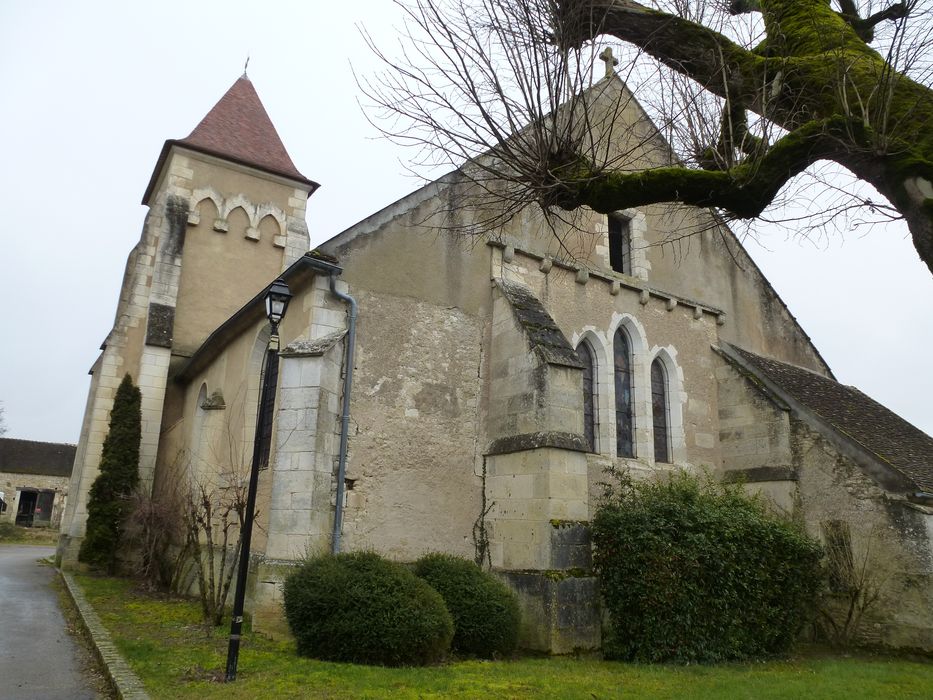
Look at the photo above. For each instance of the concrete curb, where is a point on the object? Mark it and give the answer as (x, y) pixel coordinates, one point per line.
(122, 677)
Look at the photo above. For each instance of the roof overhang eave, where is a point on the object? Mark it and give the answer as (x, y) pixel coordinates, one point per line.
(167, 147)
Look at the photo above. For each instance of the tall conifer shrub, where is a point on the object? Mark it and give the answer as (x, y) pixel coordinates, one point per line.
(110, 501)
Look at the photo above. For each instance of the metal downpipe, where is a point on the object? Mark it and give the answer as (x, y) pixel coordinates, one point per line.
(345, 417)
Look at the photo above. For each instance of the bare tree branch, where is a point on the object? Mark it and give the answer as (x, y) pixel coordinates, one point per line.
(503, 92)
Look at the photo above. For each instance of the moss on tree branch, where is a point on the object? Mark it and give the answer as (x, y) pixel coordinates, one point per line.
(744, 190)
(814, 75)
(710, 58)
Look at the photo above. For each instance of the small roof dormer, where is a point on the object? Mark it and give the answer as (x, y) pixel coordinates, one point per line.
(237, 129)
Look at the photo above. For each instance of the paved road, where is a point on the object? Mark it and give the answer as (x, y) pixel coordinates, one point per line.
(37, 657)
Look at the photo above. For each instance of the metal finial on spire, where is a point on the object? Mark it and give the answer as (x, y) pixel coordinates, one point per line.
(610, 61)
(245, 66)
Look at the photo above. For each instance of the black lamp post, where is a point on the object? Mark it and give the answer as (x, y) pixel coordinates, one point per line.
(277, 298)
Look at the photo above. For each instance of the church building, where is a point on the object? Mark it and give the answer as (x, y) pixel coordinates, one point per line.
(494, 381)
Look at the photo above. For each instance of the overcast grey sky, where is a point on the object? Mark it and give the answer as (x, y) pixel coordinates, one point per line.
(92, 89)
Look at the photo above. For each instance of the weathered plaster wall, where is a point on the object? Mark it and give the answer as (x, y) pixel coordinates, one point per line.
(414, 424)
(586, 305)
(395, 253)
(416, 417)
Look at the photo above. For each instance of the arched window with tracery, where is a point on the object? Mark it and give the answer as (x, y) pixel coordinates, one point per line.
(625, 417)
(660, 412)
(588, 359)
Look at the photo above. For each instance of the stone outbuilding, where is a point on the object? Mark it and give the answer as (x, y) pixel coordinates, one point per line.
(34, 479)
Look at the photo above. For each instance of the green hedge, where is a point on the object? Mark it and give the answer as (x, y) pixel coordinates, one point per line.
(693, 571)
(485, 611)
(362, 608)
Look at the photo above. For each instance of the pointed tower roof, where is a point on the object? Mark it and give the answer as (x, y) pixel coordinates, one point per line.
(237, 129)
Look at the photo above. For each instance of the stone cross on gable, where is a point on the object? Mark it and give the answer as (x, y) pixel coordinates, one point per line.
(609, 60)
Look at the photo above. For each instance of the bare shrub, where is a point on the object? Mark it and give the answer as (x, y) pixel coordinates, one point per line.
(213, 519)
(859, 577)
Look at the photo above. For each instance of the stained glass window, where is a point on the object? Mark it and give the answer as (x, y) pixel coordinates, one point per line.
(585, 353)
(660, 412)
(625, 421)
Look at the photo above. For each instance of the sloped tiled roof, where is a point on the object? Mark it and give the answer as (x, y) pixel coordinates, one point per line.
(30, 457)
(879, 431)
(238, 129)
(544, 336)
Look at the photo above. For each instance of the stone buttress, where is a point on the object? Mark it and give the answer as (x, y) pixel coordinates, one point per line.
(536, 475)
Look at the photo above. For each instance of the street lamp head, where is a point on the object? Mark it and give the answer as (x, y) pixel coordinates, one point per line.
(277, 299)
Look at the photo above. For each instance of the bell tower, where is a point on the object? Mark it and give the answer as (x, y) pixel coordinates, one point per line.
(226, 216)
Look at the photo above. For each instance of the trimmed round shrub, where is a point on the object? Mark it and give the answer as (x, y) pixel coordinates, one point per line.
(362, 608)
(694, 571)
(484, 610)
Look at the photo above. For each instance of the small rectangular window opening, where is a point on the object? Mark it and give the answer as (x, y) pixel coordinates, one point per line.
(620, 245)
(348, 486)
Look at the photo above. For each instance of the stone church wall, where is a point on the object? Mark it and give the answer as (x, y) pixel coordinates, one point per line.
(173, 296)
(806, 477)
(755, 435)
(414, 451)
(237, 214)
(417, 414)
(890, 537)
(593, 307)
(711, 265)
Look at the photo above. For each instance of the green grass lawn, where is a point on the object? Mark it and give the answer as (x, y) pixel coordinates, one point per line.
(13, 534)
(164, 642)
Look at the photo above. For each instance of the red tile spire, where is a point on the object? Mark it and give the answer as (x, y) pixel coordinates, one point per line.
(238, 129)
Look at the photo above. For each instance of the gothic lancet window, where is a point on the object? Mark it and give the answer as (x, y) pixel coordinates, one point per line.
(585, 353)
(660, 412)
(620, 245)
(625, 420)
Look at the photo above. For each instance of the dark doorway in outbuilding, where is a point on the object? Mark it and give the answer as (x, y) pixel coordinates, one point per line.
(35, 507)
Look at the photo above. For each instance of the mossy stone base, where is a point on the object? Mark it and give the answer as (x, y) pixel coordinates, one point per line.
(66, 554)
(560, 610)
(264, 596)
